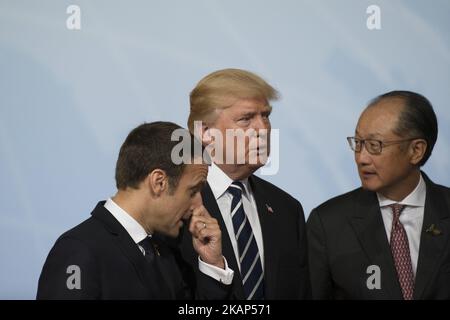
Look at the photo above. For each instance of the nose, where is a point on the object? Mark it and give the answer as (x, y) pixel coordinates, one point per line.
(196, 201)
(363, 157)
(261, 123)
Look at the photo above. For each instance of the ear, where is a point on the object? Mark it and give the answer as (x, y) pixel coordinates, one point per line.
(418, 148)
(201, 130)
(157, 182)
(206, 135)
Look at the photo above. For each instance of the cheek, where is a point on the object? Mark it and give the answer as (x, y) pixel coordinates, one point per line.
(185, 204)
(386, 168)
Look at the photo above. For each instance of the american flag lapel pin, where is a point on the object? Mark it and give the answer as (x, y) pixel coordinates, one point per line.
(269, 208)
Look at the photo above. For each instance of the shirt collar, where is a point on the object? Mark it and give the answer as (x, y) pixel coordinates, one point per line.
(415, 199)
(220, 182)
(134, 229)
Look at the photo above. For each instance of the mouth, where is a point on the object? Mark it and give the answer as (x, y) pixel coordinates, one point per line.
(367, 174)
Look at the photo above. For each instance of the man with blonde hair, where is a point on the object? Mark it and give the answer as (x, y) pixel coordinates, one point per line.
(263, 227)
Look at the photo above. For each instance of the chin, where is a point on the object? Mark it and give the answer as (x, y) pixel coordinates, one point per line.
(173, 233)
(366, 185)
(255, 166)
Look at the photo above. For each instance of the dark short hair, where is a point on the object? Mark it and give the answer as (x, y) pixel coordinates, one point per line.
(146, 148)
(416, 119)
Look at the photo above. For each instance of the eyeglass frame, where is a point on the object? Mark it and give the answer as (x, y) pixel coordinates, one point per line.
(380, 142)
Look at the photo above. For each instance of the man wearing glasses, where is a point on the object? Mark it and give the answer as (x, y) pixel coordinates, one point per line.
(389, 238)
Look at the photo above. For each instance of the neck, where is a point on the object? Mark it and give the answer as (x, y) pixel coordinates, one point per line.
(404, 187)
(131, 202)
(237, 172)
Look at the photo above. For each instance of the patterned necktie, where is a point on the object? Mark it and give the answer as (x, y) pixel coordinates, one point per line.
(251, 267)
(401, 254)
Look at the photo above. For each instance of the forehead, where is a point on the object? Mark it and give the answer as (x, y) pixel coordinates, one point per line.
(248, 105)
(380, 119)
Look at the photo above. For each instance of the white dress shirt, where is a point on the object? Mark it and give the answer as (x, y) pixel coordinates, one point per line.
(138, 233)
(219, 183)
(411, 218)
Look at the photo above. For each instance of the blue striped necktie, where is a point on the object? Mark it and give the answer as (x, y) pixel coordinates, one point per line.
(251, 267)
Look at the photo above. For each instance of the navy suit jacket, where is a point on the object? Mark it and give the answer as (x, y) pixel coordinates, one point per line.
(283, 230)
(112, 266)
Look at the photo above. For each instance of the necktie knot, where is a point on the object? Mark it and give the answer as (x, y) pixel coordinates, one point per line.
(148, 246)
(397, 210)
(236, 189)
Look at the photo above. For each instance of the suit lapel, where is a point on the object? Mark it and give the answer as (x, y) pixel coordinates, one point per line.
(368, 224)
(210, 203)
(431, 246)
(129, 248)
(266, 220)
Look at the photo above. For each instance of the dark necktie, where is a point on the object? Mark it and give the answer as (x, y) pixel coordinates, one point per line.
(250, 261)
(149, 248)
(162, 269)
(401, 254)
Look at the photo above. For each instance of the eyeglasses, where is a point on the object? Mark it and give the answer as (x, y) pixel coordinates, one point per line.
(373, 146)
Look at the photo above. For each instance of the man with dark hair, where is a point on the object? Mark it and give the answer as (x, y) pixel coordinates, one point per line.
(127, 250)
(389, 238)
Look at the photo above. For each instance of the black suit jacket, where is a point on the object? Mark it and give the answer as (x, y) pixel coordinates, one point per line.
(346, 235)
(284, 238)
(112, 266)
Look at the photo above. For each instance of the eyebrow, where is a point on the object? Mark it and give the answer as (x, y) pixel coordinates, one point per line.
(370, 136)
(253, 113)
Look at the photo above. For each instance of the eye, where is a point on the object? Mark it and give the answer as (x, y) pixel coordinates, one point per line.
(244, 121)
(266, 115)
(373, 144)
(194, 192)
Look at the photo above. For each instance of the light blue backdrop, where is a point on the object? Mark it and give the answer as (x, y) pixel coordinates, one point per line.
(68, 98)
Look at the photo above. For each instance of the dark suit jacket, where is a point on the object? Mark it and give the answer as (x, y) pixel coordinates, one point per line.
(112, 266)
(284, 238)
(346, 235)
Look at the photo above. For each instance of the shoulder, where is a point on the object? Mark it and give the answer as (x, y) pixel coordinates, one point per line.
(445, 191)
(88, 238)
(336, 207)
(80, 240)
(272, 190)
(438, 192)
(87, 231)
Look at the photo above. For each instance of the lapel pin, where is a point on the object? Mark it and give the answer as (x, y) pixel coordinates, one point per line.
(269, 208)
(433, 230)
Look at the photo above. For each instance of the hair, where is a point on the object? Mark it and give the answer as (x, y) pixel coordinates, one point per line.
(221, 89)
(146, 148)
(417, 118)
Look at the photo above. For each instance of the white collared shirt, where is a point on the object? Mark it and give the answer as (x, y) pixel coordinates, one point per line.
(219, 183)
(411, 218)
(138, 233)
